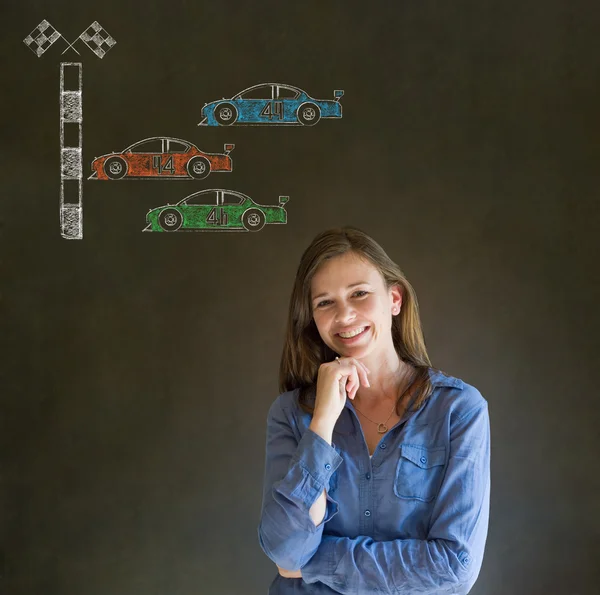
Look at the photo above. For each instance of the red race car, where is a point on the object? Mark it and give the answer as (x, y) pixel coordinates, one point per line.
(161, 157)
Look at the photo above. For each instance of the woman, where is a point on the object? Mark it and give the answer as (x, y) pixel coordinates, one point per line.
(377, 465)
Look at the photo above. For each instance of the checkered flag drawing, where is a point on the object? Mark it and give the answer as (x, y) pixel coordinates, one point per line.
(97, 39)
(41, 38)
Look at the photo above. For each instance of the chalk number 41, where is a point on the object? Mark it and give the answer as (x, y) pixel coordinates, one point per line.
(273, 109)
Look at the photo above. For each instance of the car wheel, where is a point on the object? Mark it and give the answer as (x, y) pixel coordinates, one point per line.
(226, 114)
(253, 220)
(170, 219)
(115, 168)
(198, 167)
(309, 114)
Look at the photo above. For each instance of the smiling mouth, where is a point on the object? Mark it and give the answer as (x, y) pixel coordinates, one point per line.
(353, 333)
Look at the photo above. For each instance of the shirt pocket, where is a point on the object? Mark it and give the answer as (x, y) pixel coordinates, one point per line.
(419, 472)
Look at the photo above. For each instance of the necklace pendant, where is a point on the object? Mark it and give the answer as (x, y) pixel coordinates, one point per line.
(382, 428)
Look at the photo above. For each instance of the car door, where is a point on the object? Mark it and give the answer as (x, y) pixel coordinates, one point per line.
(287, 98)
(255, 104)
(177, 155)
(233, 208)
(199, 210)
(142, 158)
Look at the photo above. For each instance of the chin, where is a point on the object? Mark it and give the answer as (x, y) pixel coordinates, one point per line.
(356, 352)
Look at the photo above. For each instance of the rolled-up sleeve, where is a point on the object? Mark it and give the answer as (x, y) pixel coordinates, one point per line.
(450, 558)
(296, 473)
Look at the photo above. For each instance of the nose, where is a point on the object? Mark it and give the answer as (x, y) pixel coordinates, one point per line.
(344, 313)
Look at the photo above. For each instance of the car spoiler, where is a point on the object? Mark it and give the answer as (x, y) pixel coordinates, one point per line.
(228, 147)
(283, 200)
(338, 94)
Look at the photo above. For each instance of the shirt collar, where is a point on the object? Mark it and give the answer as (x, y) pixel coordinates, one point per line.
(344, 424)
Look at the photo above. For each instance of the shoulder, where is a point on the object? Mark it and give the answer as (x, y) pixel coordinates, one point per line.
(283, 403)
(287, 400)
(455, 395)
(286, 415)
(287, 407)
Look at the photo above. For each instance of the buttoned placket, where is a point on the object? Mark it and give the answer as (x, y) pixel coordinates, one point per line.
(367, 468)
(365, 484)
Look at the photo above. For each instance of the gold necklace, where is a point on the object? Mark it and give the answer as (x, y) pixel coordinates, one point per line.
(381, 427)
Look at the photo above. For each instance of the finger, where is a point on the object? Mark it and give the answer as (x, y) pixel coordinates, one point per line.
(362, 365)
(355, 380)
(342, 384)
(350, 384)
(362, 374)
(348, 366)
(365, 368)
(356, 362)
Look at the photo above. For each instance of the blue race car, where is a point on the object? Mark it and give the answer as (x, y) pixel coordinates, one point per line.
(271, 103)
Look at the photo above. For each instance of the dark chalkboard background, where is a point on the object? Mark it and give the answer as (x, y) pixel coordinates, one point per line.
(137, 369)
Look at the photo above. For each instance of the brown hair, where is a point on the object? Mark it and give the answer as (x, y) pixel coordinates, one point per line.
(304, 350)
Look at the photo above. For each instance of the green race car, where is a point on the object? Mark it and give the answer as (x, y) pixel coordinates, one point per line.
(217, 210)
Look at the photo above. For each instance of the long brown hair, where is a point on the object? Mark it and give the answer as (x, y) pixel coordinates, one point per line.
(304, 350)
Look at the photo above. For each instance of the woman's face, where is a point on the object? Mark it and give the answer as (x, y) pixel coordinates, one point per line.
(352, 307)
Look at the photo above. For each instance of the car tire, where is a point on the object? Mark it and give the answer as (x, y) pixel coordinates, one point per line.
(253, 220)
(115, 168)
(309, 114)
(198, 167)
(170, 219)
(226, 114)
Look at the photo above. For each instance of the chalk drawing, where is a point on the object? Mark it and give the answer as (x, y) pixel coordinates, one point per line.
(271, 103)
(42, 37)
(95, 37)
(215, 210)
(71, 170)
(162, 158)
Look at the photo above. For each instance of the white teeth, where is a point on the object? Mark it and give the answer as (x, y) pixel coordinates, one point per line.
(352, 333)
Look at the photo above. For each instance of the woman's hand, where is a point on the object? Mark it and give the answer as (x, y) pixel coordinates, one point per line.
(335, 379)
(289, 573)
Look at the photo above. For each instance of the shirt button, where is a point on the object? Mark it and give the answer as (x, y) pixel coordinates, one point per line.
(327, 466)
(384, 445)
(368, 476)
(367, 513)
(423, 460)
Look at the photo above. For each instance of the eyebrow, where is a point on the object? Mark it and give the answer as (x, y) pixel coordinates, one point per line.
(349, 287)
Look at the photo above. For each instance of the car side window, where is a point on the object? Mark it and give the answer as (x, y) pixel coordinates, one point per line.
(262, 92)
(232, 199)
(177, 147)
(202, 198)
(154, 145)
(287, 93)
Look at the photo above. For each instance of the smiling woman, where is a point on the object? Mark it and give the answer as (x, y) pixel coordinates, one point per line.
(400, 502)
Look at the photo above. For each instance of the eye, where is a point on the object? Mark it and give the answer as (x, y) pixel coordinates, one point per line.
(323, 303)
(361, 293)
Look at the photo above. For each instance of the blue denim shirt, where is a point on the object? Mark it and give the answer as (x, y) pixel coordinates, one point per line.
(411, 519)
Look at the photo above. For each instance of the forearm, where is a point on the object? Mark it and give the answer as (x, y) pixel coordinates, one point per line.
(296, 508)
(319, 508)
(393, 567)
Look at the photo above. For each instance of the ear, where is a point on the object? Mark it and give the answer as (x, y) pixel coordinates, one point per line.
(396, 297)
